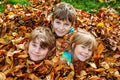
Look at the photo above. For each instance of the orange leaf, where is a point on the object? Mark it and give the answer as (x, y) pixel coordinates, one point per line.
(99, 51)
(23, 28)
(61, 78)
(36, 1)
(52, 74)
(110, 59)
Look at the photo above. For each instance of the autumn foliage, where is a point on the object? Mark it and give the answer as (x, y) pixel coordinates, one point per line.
(18, 21)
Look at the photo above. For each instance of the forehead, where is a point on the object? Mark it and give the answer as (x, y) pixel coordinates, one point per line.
(64, 21)
(35, 41)
(88, 46)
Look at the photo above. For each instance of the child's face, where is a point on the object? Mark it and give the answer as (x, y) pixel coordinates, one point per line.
(61, 27)
(82, 52)
(36, 52)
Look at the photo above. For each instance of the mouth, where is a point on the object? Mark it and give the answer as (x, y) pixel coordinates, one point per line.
(35, 54)
(60, 32)
(83, 55)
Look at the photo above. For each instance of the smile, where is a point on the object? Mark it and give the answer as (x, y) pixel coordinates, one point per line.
(83, 54)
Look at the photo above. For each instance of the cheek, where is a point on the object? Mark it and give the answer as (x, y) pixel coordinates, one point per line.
(76, 51)
(68, 27)
(30, 48)
(67, 30)
(54, 25)
(45, 52)
(90, 54)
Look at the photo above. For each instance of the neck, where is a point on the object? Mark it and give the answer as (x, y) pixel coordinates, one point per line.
(75, 59)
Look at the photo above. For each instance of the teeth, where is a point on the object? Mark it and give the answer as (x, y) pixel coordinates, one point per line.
(83, 54)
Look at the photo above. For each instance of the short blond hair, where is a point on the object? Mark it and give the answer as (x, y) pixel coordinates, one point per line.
(64, 11)
(44, 35)
(85, 38)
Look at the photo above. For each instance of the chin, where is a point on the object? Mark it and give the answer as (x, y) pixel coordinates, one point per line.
(33, 59)
(60, 35)
(83, 60)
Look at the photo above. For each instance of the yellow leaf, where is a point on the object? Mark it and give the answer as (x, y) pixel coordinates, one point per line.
(14, 34)
(116, 74)
(8, 60)
(101, 25)
(71, 75)
(7, 37)
(59, 67)
(110, 28)
(83, 73)
(79, 20)
(2, 41)
(27, 35)
(101, 1)
(100, 70)
(10, 13)
(2, 76)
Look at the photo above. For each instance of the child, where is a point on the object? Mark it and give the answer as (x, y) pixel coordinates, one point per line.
(41, 42)
(41, 49)
(83, 45)
(63, 19)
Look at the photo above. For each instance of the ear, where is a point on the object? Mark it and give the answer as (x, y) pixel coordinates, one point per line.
(52, 22)
(73, 45)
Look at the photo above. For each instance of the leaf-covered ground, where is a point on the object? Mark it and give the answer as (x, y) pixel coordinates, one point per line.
(18, 21)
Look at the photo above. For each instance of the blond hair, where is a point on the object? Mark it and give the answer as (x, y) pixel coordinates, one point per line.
(85, 38)
(44, 35)
(64, 11)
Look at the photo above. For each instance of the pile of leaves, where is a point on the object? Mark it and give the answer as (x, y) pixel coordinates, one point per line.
(17, 22)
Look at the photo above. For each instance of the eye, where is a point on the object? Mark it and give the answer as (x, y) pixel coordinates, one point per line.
(83, 47)
(58, 22)
(90, 50)
(43, 48)
(66, 24)
(33, 44)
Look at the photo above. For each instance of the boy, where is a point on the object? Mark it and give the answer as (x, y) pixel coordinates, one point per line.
(63, 19)
(41, 42)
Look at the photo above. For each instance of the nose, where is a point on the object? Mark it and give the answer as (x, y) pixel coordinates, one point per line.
(86, 51)
(37, 49)
(61, 27)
